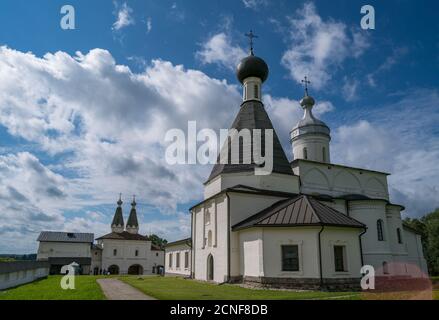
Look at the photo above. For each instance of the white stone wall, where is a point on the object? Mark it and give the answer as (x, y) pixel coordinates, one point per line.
(157, 258)
(369, 212)
(273, 182)
(333, 180)
(96, 260)
(125, 255)
(14, 279)
(261, 252)
(347, 237)
(218, 225)
(416, 263)
(316, 146)
(182, 250)
(48, 250)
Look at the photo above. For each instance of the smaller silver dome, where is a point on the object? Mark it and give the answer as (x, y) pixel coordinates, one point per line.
(307, 101)
(309, 124)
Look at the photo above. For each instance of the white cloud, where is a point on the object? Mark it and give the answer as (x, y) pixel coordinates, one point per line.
(149, 25)
(104, 127)
(398, 138)
(318, 48)
(255, 4)
(349, 89)
(389, 63)
(124, 17)
(219, 49)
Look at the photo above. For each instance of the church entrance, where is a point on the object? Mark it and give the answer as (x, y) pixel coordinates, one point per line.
(113, 269)
(135, 269)
(210, 268)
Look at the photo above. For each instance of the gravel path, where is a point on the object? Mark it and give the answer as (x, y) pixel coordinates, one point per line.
(115, 289)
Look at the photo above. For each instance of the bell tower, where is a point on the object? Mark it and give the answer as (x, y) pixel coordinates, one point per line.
(132, 223)
(310, 138)
(118, 224)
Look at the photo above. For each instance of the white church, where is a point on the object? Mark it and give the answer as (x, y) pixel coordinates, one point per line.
(310, 224)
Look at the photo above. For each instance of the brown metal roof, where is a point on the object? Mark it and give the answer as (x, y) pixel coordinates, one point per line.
(298, 211)
(124, 236)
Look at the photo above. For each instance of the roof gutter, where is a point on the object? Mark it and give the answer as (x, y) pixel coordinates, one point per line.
(320, 257)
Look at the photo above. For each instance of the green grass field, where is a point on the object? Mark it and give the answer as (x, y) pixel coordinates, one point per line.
(169, 288)
(50, 289)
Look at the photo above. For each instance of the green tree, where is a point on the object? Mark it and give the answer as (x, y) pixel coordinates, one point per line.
(160, 242)
(428, 227)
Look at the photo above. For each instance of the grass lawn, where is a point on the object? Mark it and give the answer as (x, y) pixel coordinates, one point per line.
(169, 288)
(50, 289)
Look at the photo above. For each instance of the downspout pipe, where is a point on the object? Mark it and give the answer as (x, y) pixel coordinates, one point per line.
(228, 239)
(193, 245)
(361, 246)
(320, 257)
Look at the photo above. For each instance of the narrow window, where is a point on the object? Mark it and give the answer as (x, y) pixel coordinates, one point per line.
(209, 238)
(339, 258)
(380, 230)
(137, 253)
(207, 217)
(178, 260)
(398, 233)
(170, 260)
(305, 153)
(157, 254)
(385, 267)
(186, 260)
(115, 252)
(324, 154)
(245, 92)
(290, 258)
(256, 91)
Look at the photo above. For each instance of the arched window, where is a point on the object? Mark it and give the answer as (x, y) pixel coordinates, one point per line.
(324, 154)
(385, 268)
(380, 230)
(115, 252)
(256, 91)
(305, 153)
(398, 233)
(136, 253)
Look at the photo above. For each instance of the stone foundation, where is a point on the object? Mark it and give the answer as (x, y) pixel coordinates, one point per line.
(342, 284)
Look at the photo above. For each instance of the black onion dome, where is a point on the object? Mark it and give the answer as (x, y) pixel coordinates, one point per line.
(252, 66)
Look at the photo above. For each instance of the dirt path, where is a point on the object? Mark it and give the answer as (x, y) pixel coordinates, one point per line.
(115, 289)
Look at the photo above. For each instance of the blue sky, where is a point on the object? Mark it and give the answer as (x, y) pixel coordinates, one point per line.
(83, 112)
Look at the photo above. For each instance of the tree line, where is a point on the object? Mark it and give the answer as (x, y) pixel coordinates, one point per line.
(428, 227)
